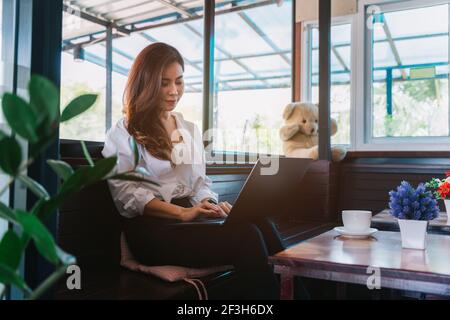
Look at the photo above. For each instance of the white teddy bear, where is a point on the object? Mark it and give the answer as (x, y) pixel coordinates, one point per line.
(300, 132)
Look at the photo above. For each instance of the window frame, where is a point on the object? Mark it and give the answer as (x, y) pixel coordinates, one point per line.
(363, 124)
(361, 80)
(306, 64)
(224, 157)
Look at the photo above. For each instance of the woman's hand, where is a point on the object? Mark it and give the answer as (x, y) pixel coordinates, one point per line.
(223, 207)
(203, 208)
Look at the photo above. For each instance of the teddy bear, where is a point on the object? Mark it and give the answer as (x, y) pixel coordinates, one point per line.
(300, 132)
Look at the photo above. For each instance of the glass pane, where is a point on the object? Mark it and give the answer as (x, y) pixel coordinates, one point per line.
(340, 94)
(118, 81)
(410, 73)
(188, 39)
(88, 76)
(252, 77)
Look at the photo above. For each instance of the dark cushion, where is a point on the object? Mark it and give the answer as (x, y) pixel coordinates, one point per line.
(121, 284)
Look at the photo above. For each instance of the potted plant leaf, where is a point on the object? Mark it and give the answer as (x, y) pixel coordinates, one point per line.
(37, 121)
(413, 207)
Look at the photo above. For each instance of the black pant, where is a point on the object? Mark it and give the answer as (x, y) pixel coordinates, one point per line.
(158, 241)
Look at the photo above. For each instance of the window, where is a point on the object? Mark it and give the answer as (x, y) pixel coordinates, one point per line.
(83, 71)
(341, 84)
(84, 57)
(252, 77)
(389, 74)
(3, 177)
(188, 39)
(7, 32)
(407, 88)
(257, 76)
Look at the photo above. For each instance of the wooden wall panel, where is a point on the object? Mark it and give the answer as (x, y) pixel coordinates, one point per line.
(365, 182)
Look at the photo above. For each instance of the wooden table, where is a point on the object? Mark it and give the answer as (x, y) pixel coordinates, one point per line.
(386, 222)
(346, 260)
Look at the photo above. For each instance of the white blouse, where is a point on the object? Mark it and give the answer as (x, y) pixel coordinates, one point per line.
(187, 179)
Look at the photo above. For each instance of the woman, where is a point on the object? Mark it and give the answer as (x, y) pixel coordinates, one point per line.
(168, 149)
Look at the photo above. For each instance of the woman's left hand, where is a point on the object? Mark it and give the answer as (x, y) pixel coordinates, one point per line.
(223, 207)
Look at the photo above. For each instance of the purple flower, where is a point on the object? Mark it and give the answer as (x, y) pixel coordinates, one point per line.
(415, 204)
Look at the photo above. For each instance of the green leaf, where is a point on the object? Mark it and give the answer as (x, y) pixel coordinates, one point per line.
(45, 139)
(131, 177)
(102, 168)
(61, 168)
(87, 154)
(76, 181)
(11, 155)
(6, 213)
(10, 276)
(11, 250)
(134, 148)
(65, 258)
(44, 99)
(19, 116)
(34, 187)
(43, 239)
(78, 106)
(44, 208)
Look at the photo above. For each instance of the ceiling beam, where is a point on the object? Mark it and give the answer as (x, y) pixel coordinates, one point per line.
(393, 47)
(263, 36)
(86, 16)
(151, 39)
(177, 8)
(177, 21)
(341, 61)
(225, 52)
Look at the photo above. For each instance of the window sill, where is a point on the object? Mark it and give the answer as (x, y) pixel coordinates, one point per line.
(397, 154)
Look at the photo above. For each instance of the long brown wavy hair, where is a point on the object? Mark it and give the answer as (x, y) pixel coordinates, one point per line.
(142, 104)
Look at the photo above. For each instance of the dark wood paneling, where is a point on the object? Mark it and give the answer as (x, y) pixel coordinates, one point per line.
(317, 195)
(366, 182)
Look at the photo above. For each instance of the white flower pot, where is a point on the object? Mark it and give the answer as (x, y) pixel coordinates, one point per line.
(414, 233)
(447, 208)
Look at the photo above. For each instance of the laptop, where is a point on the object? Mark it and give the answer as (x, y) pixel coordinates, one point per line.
(271, 189)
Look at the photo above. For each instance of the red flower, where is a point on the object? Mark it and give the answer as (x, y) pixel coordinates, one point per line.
(447, 174)
(444, 189)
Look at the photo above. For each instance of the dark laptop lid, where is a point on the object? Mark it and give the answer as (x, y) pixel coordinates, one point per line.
(271, 189)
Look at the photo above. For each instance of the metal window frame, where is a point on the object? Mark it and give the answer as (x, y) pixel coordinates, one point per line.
(324, 79)
(363, 114)
(208, 62)
(44, 47)
(246, 157)
(306, 65)
(8, 20)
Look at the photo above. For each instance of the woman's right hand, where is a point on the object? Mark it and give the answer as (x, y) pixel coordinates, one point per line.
(208, 210)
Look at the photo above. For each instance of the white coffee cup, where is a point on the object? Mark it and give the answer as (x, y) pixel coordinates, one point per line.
(356, 220)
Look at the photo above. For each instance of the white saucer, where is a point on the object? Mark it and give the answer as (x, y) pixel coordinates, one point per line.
(345, 232)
